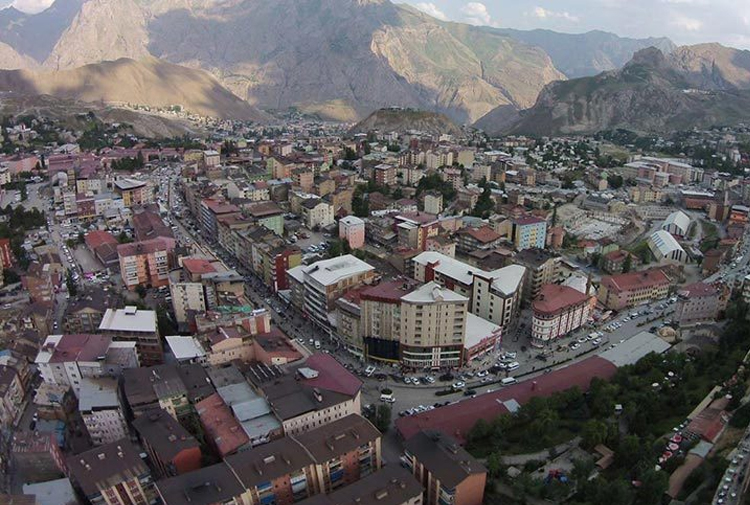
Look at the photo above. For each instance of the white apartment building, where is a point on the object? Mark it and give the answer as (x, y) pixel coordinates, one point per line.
(101, 411)
(494, 296)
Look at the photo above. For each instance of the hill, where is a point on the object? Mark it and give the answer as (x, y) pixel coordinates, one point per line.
(651, 93)
(149, 82)
(590, 53)
(404, 120)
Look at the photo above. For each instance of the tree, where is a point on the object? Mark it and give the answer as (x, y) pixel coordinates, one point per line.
(627, 264)
(10, 276)
(380, 417)
(653, 486)
(615, 181)
(71, 284)
(594, 433)
(484, 205)
(123, 238)
(164, 322)
(141, 290)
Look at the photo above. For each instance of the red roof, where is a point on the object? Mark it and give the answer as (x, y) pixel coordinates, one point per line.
(554, 298)
(198, 266)
(635, 280)
(220, 425)
(524, 220)
(97, 238)
(458, 418)
(698, 290)
(80, 348)
(146, 247)
(387, 292)
(331, 375)
(485, 234)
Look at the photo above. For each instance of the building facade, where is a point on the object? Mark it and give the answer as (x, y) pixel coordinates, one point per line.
(557, 311)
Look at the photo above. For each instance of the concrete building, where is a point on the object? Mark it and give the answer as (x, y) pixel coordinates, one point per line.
(494, 296)
(172, 449)
(698, 303)
(617, 292)
(665, 248)
(311, 395)
(483, 238)
(113, 474)
(210, 211)
(542, 267)
(215, 484)
(392, 485)
(317, 213)
(268, 215)
(101, 411)
(222, 431)
(352, 230)
(37, 456)
(529, 231)
(557, 311)
(134, 325)
(187, 297)
(68, 359)
(447, 472)
(133, 192)
(344, 451)
(146, 263)
(433, 202)
(316, 287)
(433, 327)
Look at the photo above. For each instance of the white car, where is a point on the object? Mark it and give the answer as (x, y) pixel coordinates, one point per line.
(458, 385)
(369, 370)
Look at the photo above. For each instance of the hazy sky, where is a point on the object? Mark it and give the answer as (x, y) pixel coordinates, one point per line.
(684, 21)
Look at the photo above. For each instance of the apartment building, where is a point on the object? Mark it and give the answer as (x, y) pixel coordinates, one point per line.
(446, 471)
(315, 288)
(472, 239)
(542, 267)
(344, 451)
(317, 213)
(215, 484)
(416, 228)
(433, 327)
(494, 296)
(210, 210)
(529, 231)
(12, 393)
(698, 303)
(68, 359)
(171, 448)
(622, 291)
(313, 394)
(557, 311)
(135, 325)
(352, 230)
(146, 263)
(133, 192)
(280, 472)
(393, 485)
(113, 474)
(268, 215)
(222, 431)
(433, 202)
(101, 411)
(187, 297)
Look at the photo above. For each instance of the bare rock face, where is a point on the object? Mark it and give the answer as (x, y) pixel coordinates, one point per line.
(404, 120)
(103, 30)
(651, 93)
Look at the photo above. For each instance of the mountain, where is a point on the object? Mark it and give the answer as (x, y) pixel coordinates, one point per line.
(337, 58)
(587, 54)
(712, 66)
(651, 93)
(403, 120)
(148, 82)
(34, 35)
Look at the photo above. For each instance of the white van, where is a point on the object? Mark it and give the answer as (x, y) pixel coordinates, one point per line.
(317, 344)
(508, 381)
(512, 366)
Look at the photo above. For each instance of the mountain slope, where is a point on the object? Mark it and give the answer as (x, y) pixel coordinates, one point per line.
(34, 35)
(338, 58)
(586, 54)
(403, 120)
(649, 94)
(712, 66)
(147, 82)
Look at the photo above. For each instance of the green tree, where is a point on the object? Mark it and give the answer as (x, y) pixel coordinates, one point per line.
(594, 433)
(615, 181)
(123, 238)
(653, 485)
(141, 290)
(627, 264)
(484, 205)
(10, 276)
(71, 284)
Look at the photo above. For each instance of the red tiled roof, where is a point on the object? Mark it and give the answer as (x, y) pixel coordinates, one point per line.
(80, 348)
(524, 220)
(457, 419)
(484, 234)
(220, 425)
(146, 247)
(198, 266)
(698, 289)
(387, 292)
(635, 280)
(331, 375)
(98, 238)
(554, 298)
